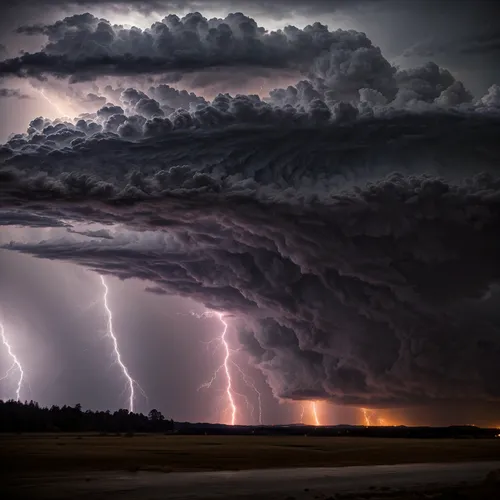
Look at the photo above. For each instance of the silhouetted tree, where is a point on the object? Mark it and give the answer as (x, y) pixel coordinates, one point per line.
(30, 417)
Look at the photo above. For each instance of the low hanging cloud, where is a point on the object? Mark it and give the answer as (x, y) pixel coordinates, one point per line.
(97, 233)
(13, 94)
(21, 218)
(360, 292)
(348, 223)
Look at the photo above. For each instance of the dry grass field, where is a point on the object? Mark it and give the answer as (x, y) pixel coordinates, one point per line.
(34, 454)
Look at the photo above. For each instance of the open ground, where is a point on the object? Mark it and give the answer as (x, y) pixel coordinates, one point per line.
(43, 454)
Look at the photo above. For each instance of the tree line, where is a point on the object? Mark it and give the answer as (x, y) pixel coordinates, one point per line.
(16, 416)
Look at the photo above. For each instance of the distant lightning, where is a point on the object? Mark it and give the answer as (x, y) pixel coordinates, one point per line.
(15, 363)
(229, 386)
(302, 412)
(224, 366)
(370, 418)
(51, 102)
(315, 413)
(8, 372)
(366, 417)
(131, 383)
(311, 407)
(231, 394)
(249, 382)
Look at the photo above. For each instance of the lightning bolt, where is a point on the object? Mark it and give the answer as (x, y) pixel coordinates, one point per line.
(229, 386)
(51, 102)
(302, 413)
(315, 413)
(231, 393)
(369, 414)
(15, 363)
(249, 382)
(131, 383)
(366, 416)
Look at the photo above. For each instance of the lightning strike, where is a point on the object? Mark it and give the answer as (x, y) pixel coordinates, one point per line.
(231, 393)
(315, 413)
(229, 382)
(249, 382)
(312, 412)
(15, 363)
(51, 102)
(366, 417)
(370, 418)
(8, 372)
(131, 383)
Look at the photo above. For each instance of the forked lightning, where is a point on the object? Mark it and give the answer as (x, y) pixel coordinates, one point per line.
(16, 364)
(231, 394)
(131, 383)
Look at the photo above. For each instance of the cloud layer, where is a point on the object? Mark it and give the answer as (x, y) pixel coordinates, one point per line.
(349, 221)
(84, 47)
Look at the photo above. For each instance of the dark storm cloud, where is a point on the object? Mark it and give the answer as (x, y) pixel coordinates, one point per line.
(13, 93)
(93, 100)
(365, 295)
(349, 221)
(98, 233)
(164, 109)
(23, 219)
(84, 46)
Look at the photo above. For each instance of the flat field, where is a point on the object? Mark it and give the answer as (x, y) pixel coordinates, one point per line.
(39, 454)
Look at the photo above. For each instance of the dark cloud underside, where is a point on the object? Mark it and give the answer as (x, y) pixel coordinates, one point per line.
(365, 296)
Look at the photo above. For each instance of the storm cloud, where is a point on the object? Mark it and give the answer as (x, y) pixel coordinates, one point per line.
(348, 223)
(356, 291)
(84, 47)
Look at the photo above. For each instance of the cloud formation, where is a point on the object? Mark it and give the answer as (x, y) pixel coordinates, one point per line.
(350, 222)
(13, 93)
(348, 293)
(84, 47)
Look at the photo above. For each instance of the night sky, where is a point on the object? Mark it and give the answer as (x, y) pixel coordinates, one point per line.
(321, 176)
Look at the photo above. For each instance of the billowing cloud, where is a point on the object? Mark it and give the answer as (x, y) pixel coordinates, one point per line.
(360, 292)
(84, 46)
(349, 222)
